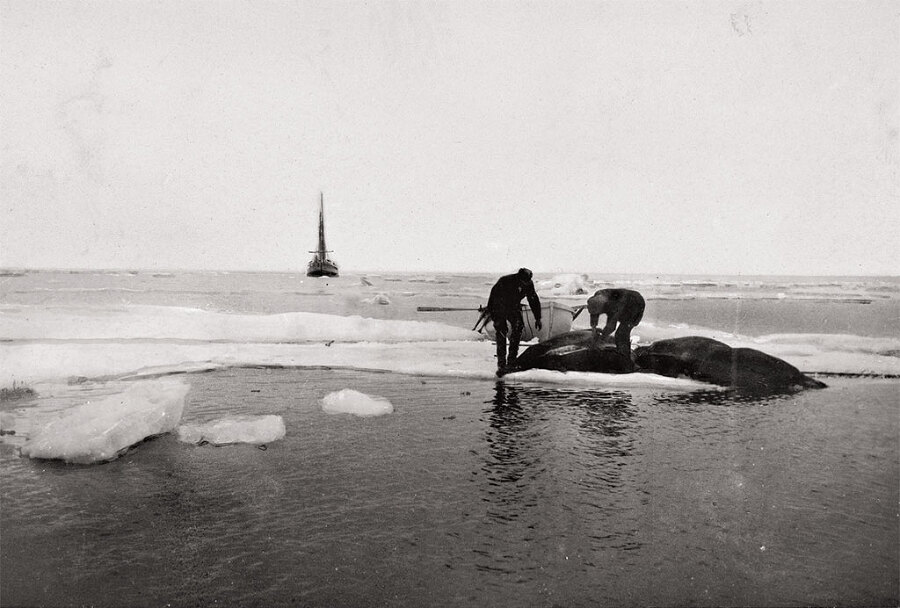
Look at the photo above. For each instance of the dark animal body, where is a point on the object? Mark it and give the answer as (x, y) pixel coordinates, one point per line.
(696, 357)
(712, 361)
(574, 351)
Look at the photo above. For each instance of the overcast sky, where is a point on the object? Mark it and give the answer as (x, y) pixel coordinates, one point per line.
(698, 137)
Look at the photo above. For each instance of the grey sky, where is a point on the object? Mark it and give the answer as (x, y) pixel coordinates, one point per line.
(720, 137)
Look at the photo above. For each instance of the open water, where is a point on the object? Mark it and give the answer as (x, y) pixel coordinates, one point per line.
(472, 492)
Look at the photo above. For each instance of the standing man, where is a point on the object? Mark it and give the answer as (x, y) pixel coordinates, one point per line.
(504, 308)
(621, 306)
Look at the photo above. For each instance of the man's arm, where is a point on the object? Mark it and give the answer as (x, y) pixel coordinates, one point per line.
(596, 306)
(613, 310)
(612, 320)
(535, 303)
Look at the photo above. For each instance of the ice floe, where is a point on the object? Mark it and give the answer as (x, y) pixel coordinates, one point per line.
(235, 429)
(101, 431)
(349, 401)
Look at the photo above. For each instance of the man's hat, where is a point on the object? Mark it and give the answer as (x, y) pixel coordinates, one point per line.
(524, 274)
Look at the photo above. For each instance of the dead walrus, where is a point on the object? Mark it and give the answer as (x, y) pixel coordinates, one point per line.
(695, 357)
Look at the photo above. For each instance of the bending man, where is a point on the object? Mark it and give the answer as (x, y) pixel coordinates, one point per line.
(504, 308)
(621, 306)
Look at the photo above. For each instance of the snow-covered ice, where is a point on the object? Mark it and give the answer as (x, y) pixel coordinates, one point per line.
(52, 344)
(588, 379)
(144, 322)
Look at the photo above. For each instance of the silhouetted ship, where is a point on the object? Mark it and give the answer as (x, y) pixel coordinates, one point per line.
(321, 265)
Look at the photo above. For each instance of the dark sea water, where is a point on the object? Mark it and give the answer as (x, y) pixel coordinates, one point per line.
(474, 493)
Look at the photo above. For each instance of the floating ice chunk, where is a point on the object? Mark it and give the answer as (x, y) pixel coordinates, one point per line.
(102, 431)
(348, 401)
(435, 280)
(565, 285)
(237, 429)
(378, 299)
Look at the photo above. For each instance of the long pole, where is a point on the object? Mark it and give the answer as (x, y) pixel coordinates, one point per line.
(443, 309)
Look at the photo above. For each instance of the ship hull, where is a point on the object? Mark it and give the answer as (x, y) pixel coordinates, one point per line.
(321, 269)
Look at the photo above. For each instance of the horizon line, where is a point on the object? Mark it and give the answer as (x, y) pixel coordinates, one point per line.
(81, 269)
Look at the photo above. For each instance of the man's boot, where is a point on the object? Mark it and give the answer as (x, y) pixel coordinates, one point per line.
(513, 353)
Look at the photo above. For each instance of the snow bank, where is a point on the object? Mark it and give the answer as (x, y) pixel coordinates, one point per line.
(38, 363)
(170, 323)
(130, 343)
(102, 431)
(348, 401)
(237, 429)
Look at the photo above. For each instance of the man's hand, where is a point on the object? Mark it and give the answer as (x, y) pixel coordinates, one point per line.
(538, 324)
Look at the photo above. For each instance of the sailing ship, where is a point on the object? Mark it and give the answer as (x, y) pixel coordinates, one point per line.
(321, 265)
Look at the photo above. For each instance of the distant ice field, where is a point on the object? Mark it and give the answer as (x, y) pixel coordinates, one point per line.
(56, 325)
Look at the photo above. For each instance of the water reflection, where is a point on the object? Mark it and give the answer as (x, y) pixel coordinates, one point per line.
(723, 397)
(529, 424)
(556, 469)
(605, 415)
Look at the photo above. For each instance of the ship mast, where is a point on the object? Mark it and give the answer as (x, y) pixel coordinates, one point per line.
(322, 251)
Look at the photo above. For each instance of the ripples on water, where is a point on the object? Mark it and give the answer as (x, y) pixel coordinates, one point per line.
(474, 493)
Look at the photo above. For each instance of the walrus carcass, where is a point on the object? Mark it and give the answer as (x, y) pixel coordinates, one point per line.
(695, 357)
